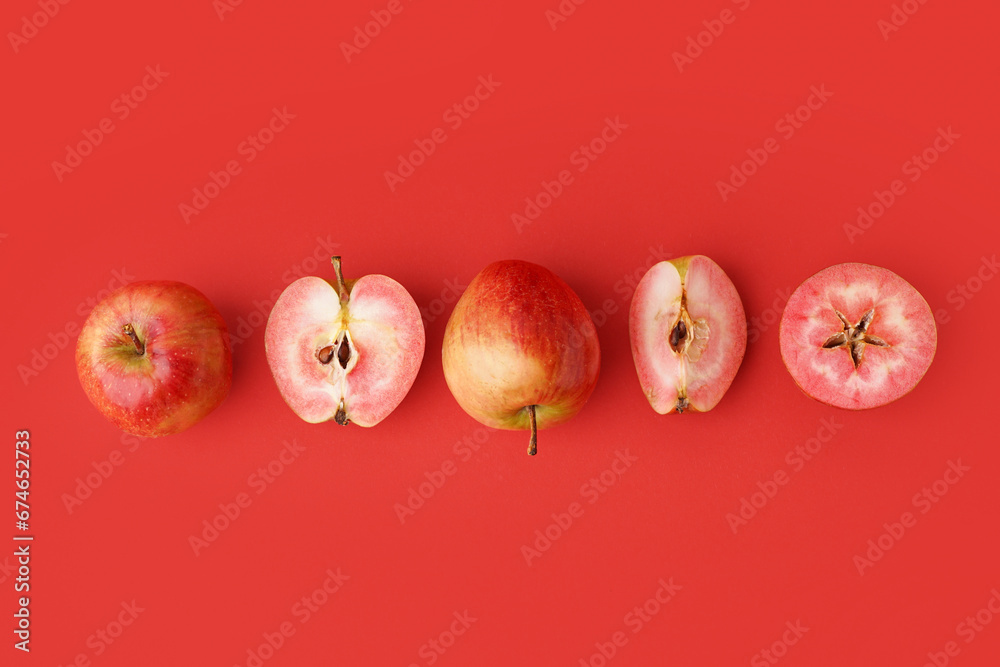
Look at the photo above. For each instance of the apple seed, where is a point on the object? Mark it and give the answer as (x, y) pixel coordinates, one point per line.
(344, 352)
(678, 334)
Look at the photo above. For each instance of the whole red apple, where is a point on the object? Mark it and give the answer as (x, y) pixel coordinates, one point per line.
(348, 352)
(520, 350)
(154, 357)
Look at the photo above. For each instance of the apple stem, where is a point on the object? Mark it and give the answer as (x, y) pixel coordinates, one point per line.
(129, 331)
(341, 285)
(533, 442)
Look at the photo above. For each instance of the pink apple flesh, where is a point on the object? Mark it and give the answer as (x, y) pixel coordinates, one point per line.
(688, 332)
(348, 360)
(154, 357)
(857, 336)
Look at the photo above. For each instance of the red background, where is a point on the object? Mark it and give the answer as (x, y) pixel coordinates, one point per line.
(654, 187)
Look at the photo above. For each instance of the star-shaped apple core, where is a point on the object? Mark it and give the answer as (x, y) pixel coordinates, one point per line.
(854, 337)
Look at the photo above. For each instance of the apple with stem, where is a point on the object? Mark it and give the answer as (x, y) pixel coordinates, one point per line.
(520, 350)
(347, 352)
(154, 357)
(857, 336)
(688, 332)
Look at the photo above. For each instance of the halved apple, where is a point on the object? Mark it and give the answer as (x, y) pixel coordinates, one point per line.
(688, 332)
(857, 336)
(348, 353)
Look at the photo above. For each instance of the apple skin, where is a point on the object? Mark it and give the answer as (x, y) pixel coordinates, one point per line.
(385, 334)
(183, 373)
(519, 336)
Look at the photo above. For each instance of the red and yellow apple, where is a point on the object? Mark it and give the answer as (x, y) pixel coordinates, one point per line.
(154, 357)
(348, 352)
(688, 332)
(520, 350)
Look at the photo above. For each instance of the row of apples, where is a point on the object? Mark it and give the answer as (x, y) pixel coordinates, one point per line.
(520, 349)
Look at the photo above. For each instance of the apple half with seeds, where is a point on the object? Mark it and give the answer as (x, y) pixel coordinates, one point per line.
(347, 352)
(857, 336)
(688, 332)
